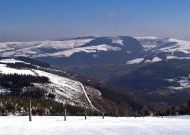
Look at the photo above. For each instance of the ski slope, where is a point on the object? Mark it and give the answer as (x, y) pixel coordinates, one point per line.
(48, 125)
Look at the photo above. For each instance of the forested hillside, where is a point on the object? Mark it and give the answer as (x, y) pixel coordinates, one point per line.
(154, 76)
(33, 61)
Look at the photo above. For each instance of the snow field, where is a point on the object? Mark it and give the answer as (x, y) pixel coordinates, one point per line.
(135, 61)
(138, 60)
(10, 61)
(181, 46)
(156, 59)
(6, 70)
(32, 48)
(90, 49)
(117, 40)
(48, 125)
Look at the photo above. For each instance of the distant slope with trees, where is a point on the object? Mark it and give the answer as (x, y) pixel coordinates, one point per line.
(33, 61)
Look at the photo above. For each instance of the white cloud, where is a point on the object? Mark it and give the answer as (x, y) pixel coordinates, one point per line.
(112, 15)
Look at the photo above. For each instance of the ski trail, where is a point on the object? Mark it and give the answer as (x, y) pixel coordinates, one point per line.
(88, 97)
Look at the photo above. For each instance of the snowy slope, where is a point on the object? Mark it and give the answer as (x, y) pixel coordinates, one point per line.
(66, 90)
(157, 49)
(135, 61)
(6, 70)
(156, 59)
(14, 125)
(156, 43)
(117, 40)
(53, 48)
(36, 47)
(69, 52)
(147, 42)
(9, 61)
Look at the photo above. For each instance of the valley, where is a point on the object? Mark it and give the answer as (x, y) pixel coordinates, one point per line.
(128, 72)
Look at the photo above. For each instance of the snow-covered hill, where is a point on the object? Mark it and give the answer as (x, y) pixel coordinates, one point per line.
(50, 48)
(64, 89)
(157, 49)
(41, 48)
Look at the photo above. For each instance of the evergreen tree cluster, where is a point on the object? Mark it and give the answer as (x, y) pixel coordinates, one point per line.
(16, 83)
(1, 58)
(20, 106)
(20, 65)
(120, 98)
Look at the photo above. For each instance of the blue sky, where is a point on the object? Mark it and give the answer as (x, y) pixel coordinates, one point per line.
(27, 20)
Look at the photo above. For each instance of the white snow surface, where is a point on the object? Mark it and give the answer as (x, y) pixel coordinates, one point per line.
(148, 47)
(117, 40)
(135, 61)
(60, 48)
(48, 125)
(138, 60)
(156, 59)
(89, 49)
(149, 42)
(34, 47)
(172, 57)
(86, 95)
(148, 61)
(6, 70)
(10, 61)
(180, 46)
(162, 44)
(182, 81)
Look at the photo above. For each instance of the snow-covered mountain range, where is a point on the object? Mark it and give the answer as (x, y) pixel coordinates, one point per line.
(65, 48)
(157, 49)
(85, 50)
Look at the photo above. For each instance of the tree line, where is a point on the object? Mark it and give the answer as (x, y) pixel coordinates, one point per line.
(20, 65)
(15, 83)
(33, 61)
(19, 106)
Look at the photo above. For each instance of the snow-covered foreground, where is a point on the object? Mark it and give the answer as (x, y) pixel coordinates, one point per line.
(46, 125)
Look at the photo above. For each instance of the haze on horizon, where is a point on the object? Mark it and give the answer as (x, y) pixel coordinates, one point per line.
(49, 19)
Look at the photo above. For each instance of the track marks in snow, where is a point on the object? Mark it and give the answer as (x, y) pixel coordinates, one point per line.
(86, 95)
(66, 88)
